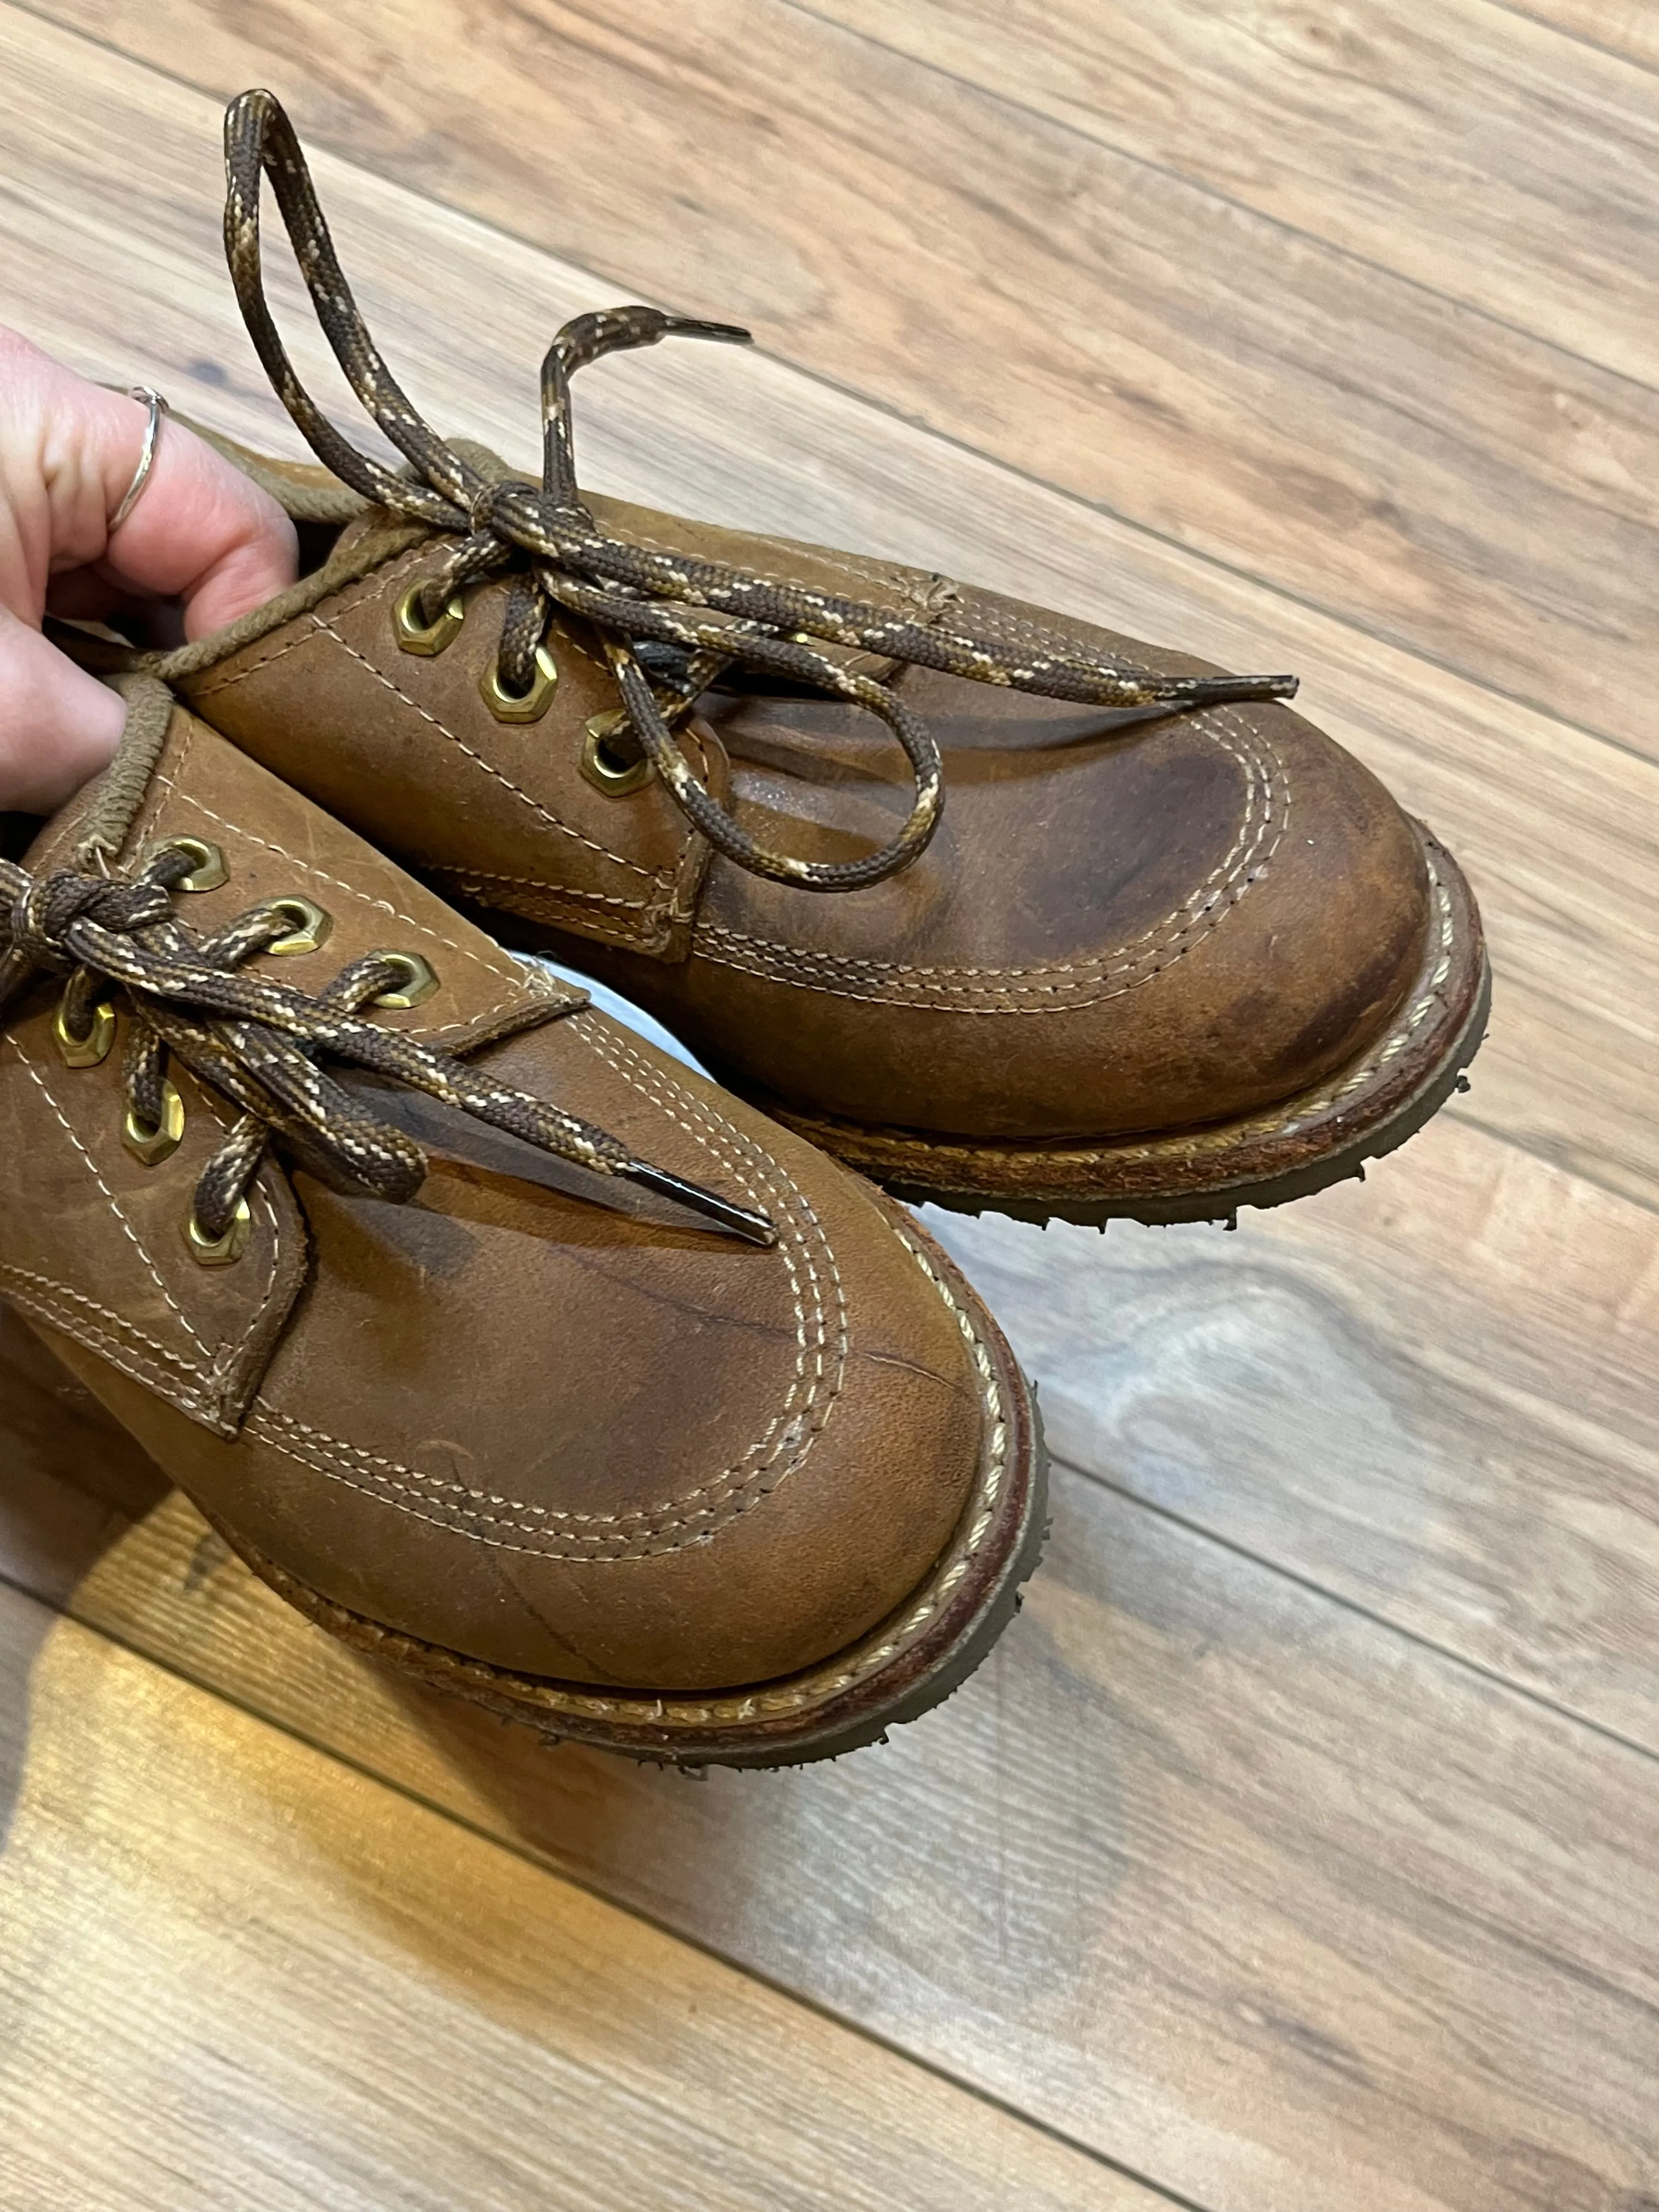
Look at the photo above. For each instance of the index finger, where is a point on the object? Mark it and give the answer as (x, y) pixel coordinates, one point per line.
(199, 530)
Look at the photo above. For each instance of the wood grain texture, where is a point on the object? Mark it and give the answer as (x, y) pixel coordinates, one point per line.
(1274, 1906)
(1373, 448)
(234, 1974)
(1629, 28)
(1431, 1395)
(1266, 1900)
(1560, 833)
(1454, 142)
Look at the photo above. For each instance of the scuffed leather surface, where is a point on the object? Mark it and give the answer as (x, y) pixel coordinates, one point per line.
(503, 1420)
(1125, 923)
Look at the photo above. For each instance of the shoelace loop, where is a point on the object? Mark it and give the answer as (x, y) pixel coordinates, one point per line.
(257, 1041)
(712, 613)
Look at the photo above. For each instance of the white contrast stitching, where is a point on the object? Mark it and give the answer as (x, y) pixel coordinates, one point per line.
(1397, 1039)
(109, 1349)
(875, 1651)
(10, 1268)
(952, 989)
(130, 1233)
(793, 1429)
(199, 691)
(463, 875)
(514, 997)
(879, 1153)
(657, 876)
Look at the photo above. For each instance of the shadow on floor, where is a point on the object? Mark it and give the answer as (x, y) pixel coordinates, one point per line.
(71, 1483)
(805, 1873)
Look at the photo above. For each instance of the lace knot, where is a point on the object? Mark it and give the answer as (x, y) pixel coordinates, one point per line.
(260, 1043)
(716, 615)
(48, 907)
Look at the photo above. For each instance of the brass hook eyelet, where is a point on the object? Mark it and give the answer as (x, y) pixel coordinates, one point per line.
(208, 869)
(427, 639)
(221, 1251)
(600, 765)
(421, 980)
(88, 1051)
(312, 925)
(153, 1146)
(506, 706)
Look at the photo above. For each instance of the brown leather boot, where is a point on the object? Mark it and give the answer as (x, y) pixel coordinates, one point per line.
(1169, 950)
(637, 1418)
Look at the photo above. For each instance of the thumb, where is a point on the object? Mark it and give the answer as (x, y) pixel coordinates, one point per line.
(60, 724)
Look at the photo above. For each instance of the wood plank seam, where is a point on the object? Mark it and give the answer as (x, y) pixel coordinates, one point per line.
(1315, 1588)
(543, 1864)
(1209, 538)
(1192, 182)
(1207, 556)
(1554, 1149)
(224, 1609)
(66, 1608)
(1356, 1842)
(1577, 36)
(1537, 1149)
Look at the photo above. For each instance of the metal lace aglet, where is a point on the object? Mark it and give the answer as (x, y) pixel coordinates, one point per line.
(1227, 690)
(753, 1228)
(689, 326)
(451, 1133)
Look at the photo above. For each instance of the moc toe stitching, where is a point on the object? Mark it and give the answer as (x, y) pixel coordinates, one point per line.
(1206, 906)
(683, 1712)
(655, 1530)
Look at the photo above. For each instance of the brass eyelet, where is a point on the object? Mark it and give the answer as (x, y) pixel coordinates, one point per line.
(152, 1146)
(312, 925)
(208, 871)
(421, 981)
(221, 1251)
(426, 638)
(535, 702)
(86, 1051)
(602, 767)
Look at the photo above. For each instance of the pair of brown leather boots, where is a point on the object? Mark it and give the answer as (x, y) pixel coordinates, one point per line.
(495, 1339)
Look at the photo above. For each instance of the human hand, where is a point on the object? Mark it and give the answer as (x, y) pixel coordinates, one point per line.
(200, 533)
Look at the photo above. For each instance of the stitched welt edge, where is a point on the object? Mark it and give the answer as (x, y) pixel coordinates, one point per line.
(791, 1432)
(874, 1151)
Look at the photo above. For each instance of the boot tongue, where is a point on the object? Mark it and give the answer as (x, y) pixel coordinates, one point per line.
(489, 464)
(371, 524)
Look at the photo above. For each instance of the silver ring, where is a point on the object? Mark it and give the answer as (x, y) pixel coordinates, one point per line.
(158, 407)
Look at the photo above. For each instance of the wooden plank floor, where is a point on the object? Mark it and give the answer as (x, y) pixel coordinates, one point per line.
(1295, 1849)
(1455, 481)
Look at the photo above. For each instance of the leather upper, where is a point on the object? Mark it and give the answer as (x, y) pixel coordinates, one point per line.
(1125, 922)
(605, 1446)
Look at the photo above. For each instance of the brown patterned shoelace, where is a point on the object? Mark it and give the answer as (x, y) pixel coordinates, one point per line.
(257, 1041)
(708, 614)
